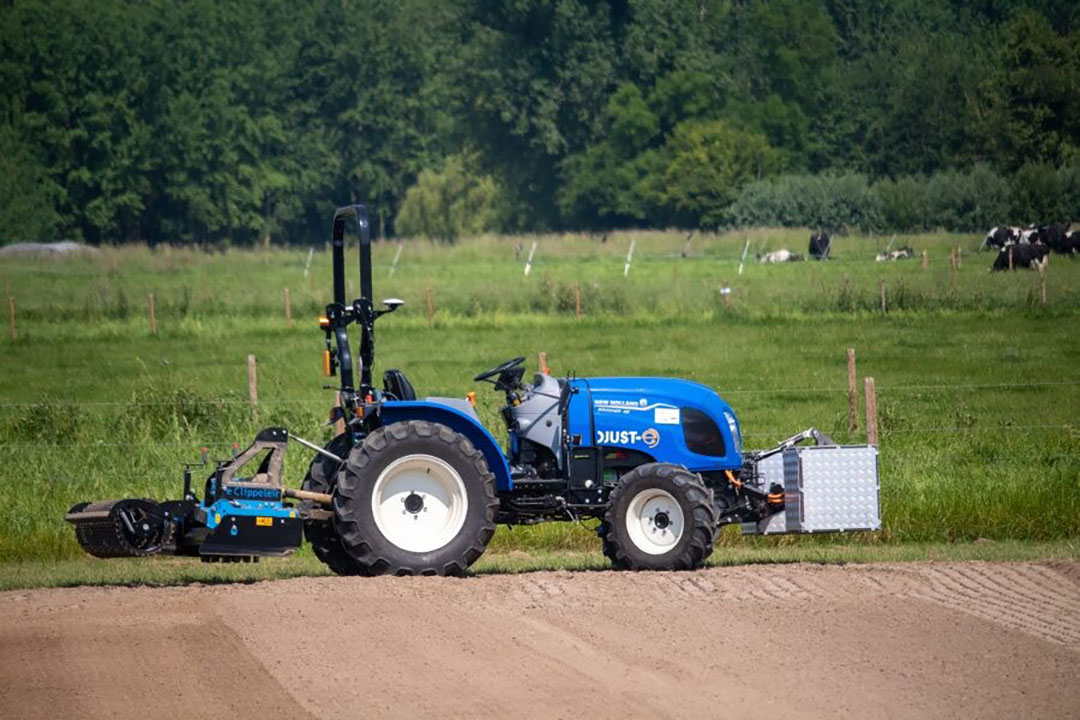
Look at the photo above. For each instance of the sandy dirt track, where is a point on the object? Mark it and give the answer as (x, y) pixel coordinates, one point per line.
(899, 640)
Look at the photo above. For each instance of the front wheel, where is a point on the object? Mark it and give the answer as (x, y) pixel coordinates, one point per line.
(659, 517)
(416, 498)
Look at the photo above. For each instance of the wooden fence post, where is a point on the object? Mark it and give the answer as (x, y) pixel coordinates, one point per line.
(577, 302)
(725, 292)
(871, 413)
(881, 295)
(924, 261)
(11, 318)
(852, 392)
(629, 258)
(959, 257)
(1010, 258)
(253, 383)
(742, 259)
(153, 317)
(1042, 280)
(952, 268)
(430, 305)
(542, 359)
(288, 309)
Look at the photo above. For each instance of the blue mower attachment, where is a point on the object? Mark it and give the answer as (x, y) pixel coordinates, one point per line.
(238, 517)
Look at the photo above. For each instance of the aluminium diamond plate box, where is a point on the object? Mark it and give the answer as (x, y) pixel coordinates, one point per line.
(827, 488)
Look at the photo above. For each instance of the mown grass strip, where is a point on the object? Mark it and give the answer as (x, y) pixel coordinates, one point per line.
(160, 572)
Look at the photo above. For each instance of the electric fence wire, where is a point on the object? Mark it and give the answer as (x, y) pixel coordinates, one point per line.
(736, 391)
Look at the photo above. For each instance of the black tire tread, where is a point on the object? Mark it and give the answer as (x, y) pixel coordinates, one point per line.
(322, 536)
(353, 538)
(703, 516)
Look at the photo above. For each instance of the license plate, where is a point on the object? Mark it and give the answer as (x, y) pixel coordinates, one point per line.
(264, 521)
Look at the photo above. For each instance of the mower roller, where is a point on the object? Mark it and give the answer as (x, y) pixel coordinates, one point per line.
(417, 485)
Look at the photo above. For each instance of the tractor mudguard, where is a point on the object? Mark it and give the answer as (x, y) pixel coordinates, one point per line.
(400, 411)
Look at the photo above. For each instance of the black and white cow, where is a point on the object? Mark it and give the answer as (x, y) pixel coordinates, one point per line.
(1001, 236)
(819, 245)
(902, 253)
(1054, 236)
(1023, 256)
(1030, 234)
(779, 256)
(1071, 244)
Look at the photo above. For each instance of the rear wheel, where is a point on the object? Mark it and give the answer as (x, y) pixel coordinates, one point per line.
(416, 498)
(324, 539)
(659, 517)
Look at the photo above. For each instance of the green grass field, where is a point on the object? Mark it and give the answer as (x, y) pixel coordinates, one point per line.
(978, 382)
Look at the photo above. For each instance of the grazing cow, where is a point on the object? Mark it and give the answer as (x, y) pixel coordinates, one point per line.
(1030, 234)
(819, 245)
(1026, 256)
(779, 256)
(1071, 244)
(1054, 237)
(902, 253)
(1001, 236)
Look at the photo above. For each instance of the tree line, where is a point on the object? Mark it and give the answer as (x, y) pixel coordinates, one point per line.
(246, 122)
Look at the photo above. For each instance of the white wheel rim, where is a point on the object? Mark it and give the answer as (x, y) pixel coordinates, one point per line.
(419, 503)
(654, 521)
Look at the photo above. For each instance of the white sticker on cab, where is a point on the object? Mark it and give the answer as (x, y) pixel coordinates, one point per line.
(667, 416)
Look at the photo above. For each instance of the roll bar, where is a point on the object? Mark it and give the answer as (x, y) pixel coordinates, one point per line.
(339, 314)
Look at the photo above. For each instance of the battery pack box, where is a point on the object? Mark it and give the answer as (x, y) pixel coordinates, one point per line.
(827, 488)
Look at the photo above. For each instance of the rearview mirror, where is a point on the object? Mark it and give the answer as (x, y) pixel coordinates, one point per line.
(392, 304)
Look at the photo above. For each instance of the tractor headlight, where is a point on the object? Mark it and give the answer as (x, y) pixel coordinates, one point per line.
(734, 427)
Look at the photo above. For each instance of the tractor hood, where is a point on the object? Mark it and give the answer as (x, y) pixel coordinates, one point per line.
(670, 420)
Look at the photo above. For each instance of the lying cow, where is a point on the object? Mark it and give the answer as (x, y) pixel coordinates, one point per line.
(1023, 256)
(779, 256)
(819, 245)
(902, 253)
(1001, 236)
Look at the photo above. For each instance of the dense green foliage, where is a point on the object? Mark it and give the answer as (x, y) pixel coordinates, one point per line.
(963, 201)
(243, 122)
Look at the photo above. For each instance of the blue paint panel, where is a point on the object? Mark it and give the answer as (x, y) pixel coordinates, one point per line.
(225, 508)
(400, 411)
(644, 414)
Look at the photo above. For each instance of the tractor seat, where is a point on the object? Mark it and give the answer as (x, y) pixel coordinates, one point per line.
(396, 384)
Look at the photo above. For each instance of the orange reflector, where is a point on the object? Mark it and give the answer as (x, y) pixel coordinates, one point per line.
(324, 321)
(326, 363)
(471, 397)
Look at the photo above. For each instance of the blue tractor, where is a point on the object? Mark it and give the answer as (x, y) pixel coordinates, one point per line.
(416, 486)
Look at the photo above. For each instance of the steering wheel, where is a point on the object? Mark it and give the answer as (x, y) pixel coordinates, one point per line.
(500, 369)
